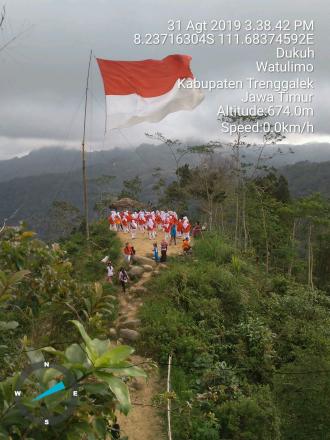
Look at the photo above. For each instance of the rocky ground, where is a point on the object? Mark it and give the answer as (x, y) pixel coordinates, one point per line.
(144, 421)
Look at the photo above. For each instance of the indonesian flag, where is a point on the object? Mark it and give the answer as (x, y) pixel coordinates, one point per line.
(148, 90)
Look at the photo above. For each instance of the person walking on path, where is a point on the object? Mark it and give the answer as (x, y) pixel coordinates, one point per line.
(167, 230)
(197, 230)
(186, 228)
(110, 271)
(173, 233)
(163, 251)
(133, 229)
(155, 252)
(123, 278)
(128, 252)
(186, 246)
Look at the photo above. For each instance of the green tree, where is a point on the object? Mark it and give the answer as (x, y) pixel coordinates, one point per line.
(105, 196)
(315, 213)
(63, 219)
(132, 188)
(303, 395)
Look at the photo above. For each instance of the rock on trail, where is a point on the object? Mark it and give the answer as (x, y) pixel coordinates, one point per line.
(144, 421)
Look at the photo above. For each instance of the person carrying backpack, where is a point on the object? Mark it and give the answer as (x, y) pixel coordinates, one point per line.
(163, 251)
(123, 278)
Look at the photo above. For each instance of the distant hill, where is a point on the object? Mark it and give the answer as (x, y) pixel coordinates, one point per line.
(58, 160)
(30, 184)
(305, 178)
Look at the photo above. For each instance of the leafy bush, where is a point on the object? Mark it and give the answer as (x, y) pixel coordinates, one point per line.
(214, 249)
(98, 369)
(232, 331)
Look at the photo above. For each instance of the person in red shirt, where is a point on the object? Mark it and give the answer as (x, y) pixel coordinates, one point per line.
(111, 222)
(128, 251)
(158, 221)
(186, 228)
(129, 219)
(117, 222)
(179, 228)
(167, 230)
(142, 222)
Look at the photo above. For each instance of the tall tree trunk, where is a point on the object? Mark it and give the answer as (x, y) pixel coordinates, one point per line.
(238, 187)
(211, 220)
(310, 257)
(264, 225)
(266, 236)
(244, 219)
(222, 219)
(293, 237)
(237, 219)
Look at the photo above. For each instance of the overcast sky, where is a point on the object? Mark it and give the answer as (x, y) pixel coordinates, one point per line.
(43, 73)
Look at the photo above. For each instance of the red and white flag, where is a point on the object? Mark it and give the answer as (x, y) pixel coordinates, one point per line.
(148, 90)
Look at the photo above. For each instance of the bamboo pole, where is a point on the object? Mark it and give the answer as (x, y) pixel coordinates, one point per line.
(84, 172)
(169, 429)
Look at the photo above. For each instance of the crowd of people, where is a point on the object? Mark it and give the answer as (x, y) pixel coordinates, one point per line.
(152, 223)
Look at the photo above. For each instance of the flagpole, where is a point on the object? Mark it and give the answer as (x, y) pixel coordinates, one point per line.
(84, 172)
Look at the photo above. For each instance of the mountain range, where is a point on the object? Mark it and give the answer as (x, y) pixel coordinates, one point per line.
(30, 184)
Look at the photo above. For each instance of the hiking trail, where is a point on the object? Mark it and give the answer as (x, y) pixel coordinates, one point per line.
(144, 421)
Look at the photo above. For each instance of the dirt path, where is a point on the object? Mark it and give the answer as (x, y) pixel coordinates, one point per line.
(144, 421)
(143, 245)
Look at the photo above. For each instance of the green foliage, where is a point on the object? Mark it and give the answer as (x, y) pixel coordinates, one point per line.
(86, 257)
(240, 342)
(322, 258)
(131, 188)
(63, 219)
(303, 398)
(41, 288)
(215, 249)
(250, 417)
(274, 185)
(98, 368)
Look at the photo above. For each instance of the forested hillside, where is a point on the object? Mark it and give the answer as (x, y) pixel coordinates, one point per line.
(29, 186)
(304, 178)
(244, 315)
(251, 354)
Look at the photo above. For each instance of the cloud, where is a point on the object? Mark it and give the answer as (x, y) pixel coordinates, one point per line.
(43, 74)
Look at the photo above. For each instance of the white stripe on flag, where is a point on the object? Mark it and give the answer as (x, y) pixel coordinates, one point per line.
(127, 110)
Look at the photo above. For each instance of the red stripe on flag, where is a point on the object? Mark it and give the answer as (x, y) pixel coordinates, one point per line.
(147, 78)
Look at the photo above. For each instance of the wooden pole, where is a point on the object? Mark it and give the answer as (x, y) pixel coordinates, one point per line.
(169, 429)
(84, 173)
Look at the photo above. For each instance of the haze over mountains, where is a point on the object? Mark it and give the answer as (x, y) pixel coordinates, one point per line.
(58, 160)
(30, 184)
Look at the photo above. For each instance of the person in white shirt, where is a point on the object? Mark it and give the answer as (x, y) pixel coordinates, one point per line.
(133, 229)
(110, 271)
